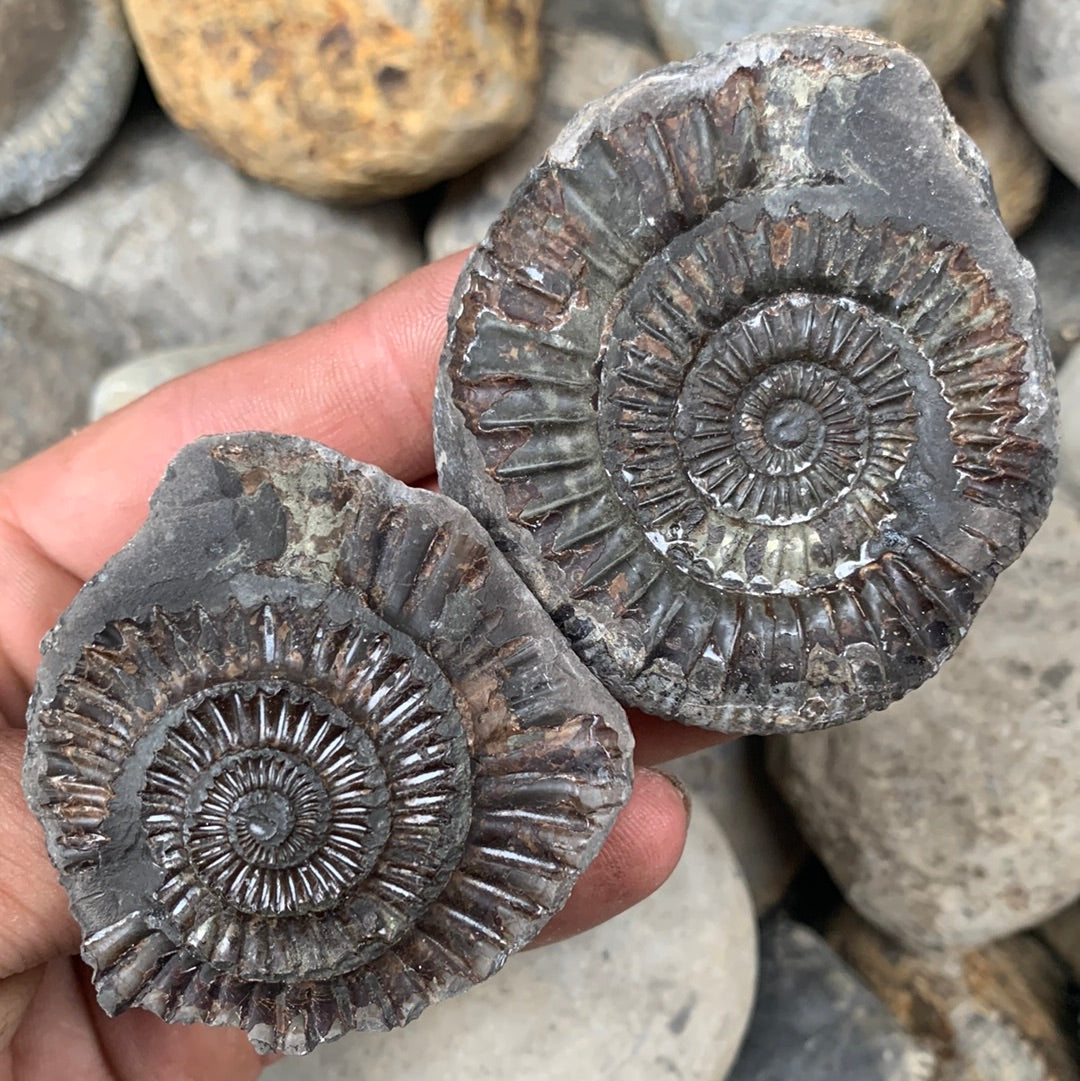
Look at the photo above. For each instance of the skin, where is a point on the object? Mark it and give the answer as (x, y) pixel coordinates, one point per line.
(362, 384)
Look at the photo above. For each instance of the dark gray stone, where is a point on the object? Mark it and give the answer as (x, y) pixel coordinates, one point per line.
(308, 755)
(54, 342)
(749, 383)
(66, 72)
(815, 1021)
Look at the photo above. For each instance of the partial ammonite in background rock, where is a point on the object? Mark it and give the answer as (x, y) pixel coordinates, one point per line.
(192, 252)
(1041, 45)
(54, 342)
(355, 101)
(941, 34)
(66, 72)
(993, 1014)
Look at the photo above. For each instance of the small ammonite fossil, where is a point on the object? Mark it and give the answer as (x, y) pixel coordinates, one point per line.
(308, 754)
(748, 382)
(66, 72)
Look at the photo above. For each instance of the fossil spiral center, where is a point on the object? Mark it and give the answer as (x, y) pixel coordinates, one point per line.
(790, 424)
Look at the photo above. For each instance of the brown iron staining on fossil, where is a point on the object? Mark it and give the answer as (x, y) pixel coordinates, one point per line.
(308, 754)
(749, 384)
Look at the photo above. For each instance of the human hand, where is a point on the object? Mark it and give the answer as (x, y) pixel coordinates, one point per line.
(362, 384)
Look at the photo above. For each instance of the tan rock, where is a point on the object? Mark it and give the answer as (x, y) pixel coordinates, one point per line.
(353, 101)
(1018, 168)
(991, 1015)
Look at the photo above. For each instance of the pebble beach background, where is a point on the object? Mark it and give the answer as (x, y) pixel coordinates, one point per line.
(896, 900)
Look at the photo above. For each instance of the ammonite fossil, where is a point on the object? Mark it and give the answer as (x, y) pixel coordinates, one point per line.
(748, 383)
(308, 755)
(66, 72)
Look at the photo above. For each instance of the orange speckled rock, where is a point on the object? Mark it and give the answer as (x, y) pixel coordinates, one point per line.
(357, 100)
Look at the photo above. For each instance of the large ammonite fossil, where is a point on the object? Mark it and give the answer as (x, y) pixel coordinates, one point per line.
(308, 754)
(748, 383)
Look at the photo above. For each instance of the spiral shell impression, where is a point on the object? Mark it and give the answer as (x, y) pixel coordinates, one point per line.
(307, 753)
(749, 384)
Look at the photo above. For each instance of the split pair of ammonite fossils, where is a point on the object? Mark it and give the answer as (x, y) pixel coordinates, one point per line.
(748, 386)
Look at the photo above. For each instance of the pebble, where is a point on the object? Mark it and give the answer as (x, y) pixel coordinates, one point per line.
(664, 990)
(1041, 46)
(730, 780)
(1053, 246)
(622, 19)
(990, 1015)
(192, 252)
(815, 1021)
(953, 818)
(53, 343)
(580, 65)
(942, 34)
(1018, 168)
(125, 382)
(66, 72)
(355, 101)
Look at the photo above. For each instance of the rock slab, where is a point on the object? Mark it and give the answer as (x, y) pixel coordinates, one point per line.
(664, 990)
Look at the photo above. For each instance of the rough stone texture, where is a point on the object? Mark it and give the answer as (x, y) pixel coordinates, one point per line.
(1068, 480)
(954, 818)
(66, 72)
(53, 343)
(814, 1021)
(749, 383)
(1062, 935)
(193, 253)
(1018, 168)
(124, 383)
(308, 755)
(940, 33)
(992, 1014)
(1053, 246)
(730, 780)
(664, 990)
(351, 101)
(580, 65)
(1041, 44)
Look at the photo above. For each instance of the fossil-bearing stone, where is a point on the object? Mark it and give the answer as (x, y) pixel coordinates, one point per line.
(54, 342)
(749, 384)
(66, 72)
(353, 101)
(940, 32)
(307, 754)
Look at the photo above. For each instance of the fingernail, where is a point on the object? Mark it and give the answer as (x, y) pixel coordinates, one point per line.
(680, 787)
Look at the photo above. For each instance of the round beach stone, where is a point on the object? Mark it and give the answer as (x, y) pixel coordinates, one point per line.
(53, 343)
(953, 818)
(942, 34)
(580, 65)
(1018, 168)
(347, 101)
(192, 252)
(815, 1021)
(664, 990)
(1041, 45)
(730, 780)
(989, 1015)
(66, 72)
